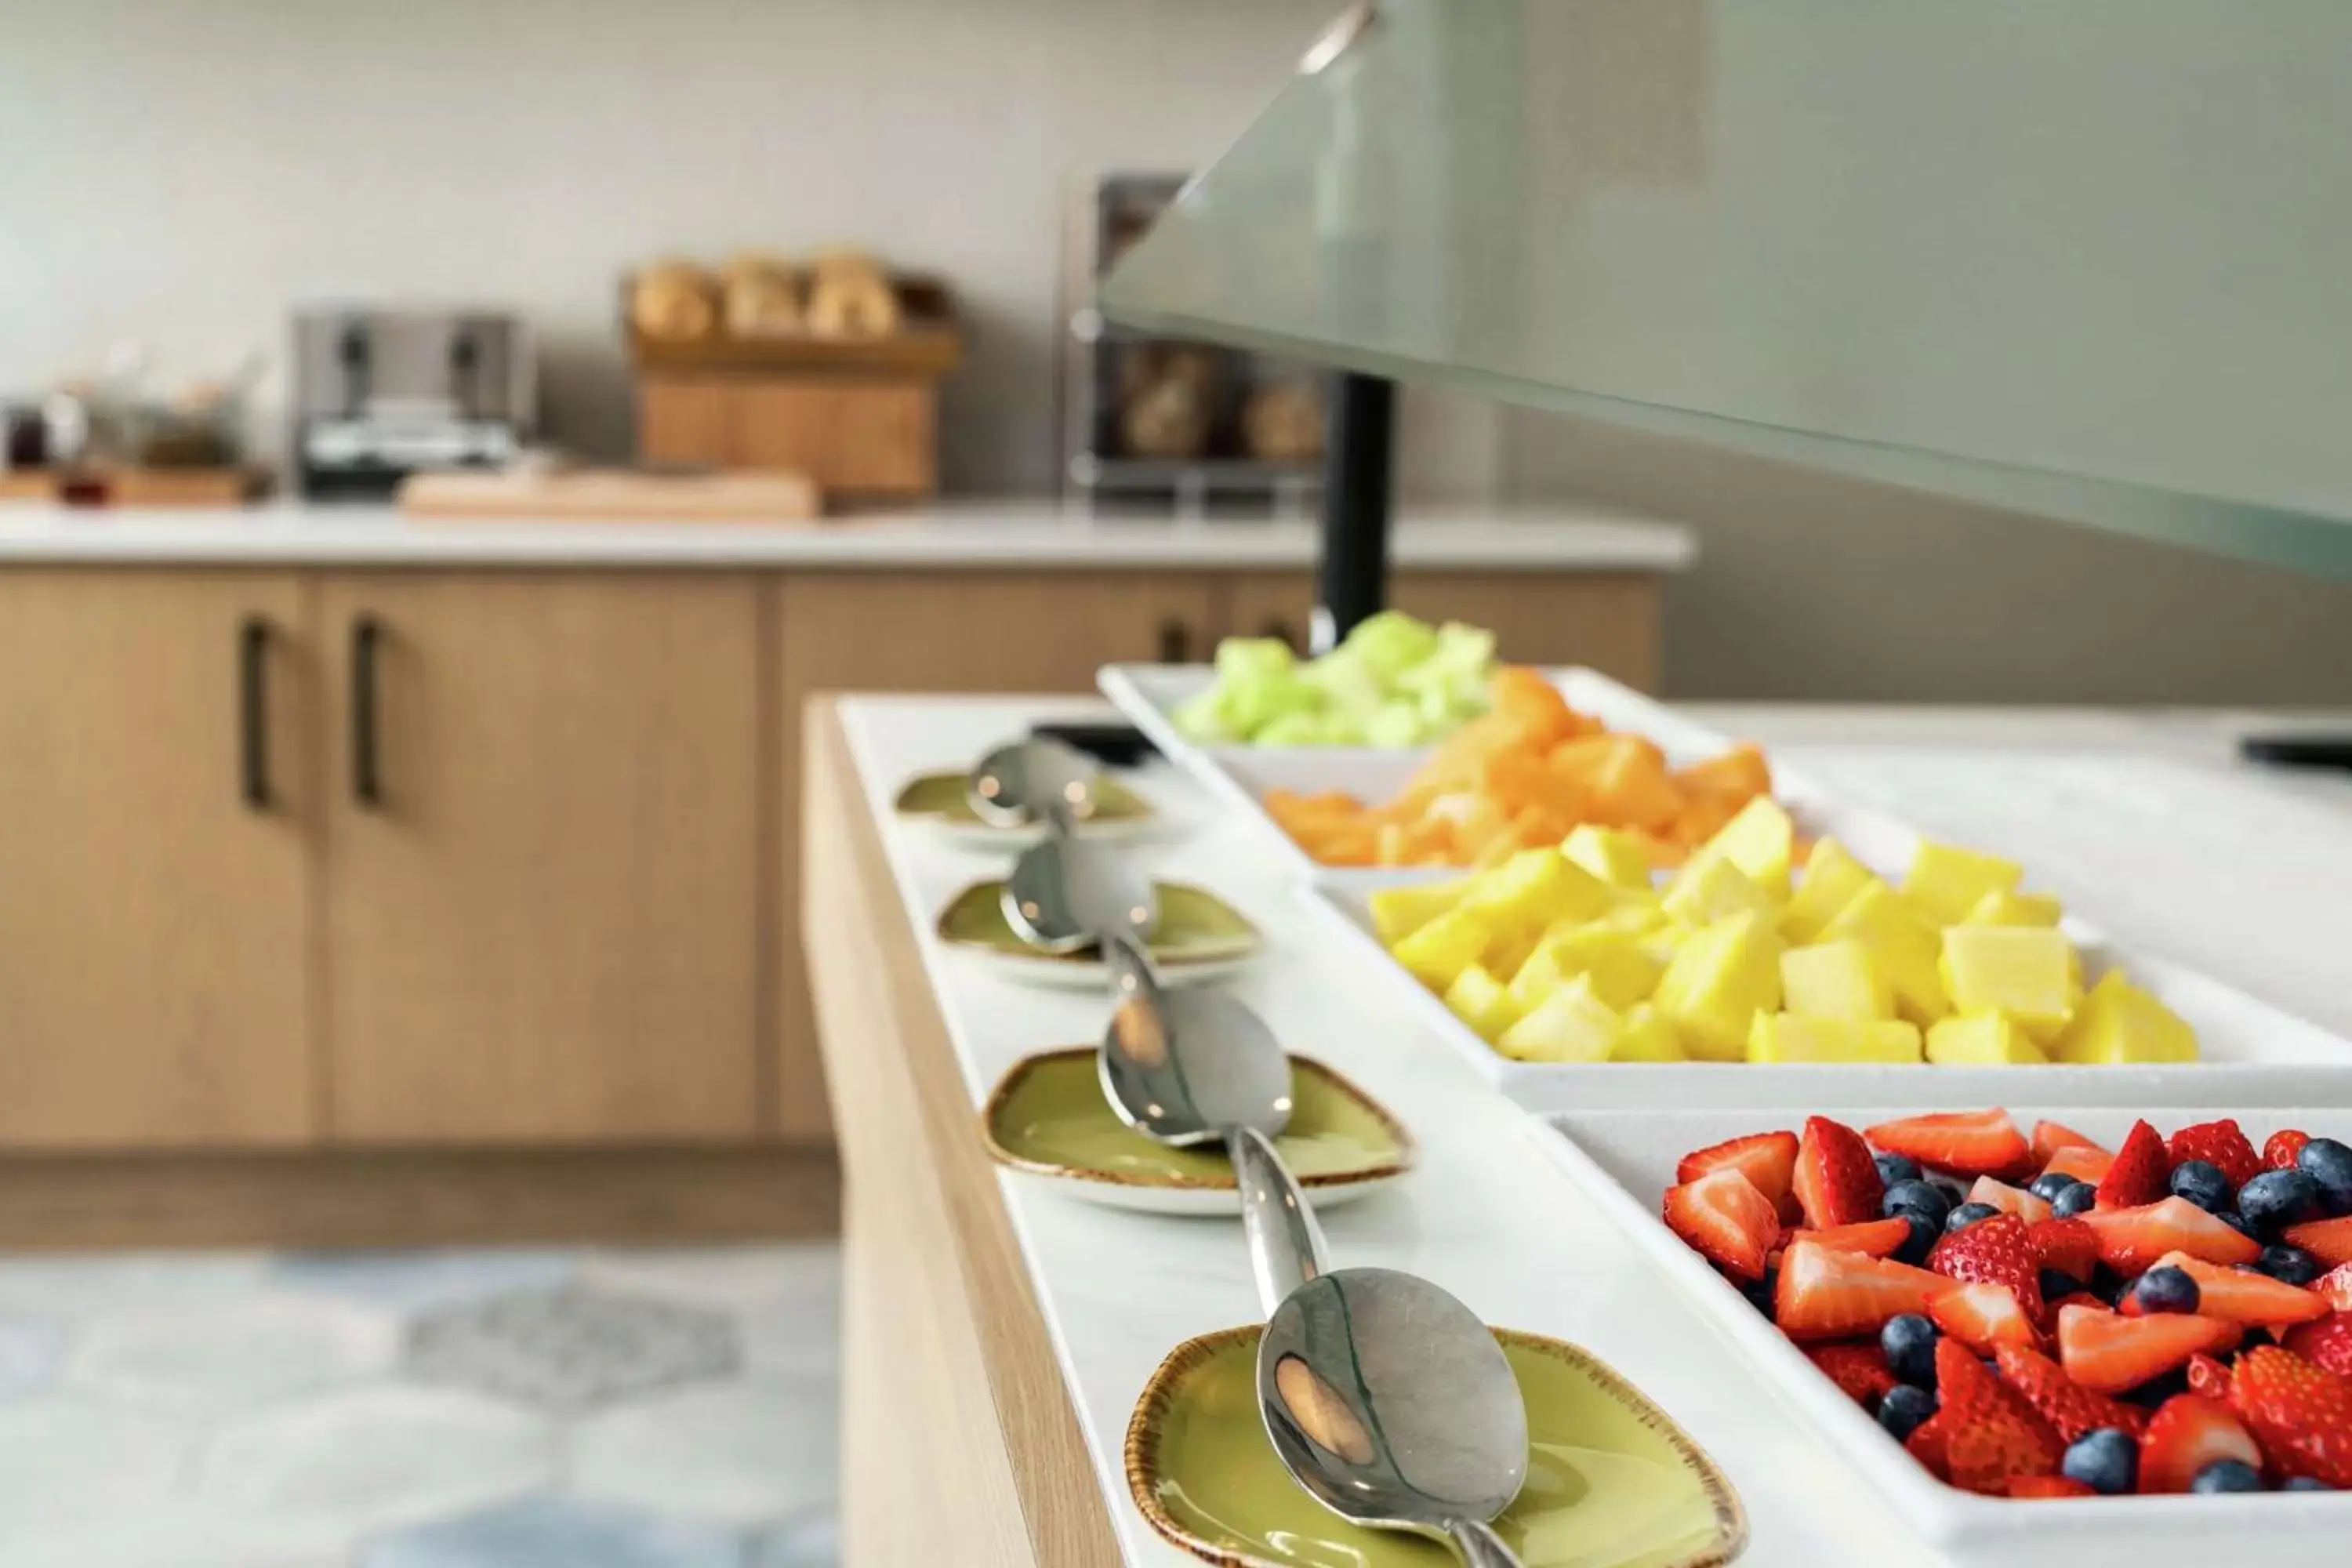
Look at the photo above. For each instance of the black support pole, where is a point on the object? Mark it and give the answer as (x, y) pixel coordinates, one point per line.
(1351, 581)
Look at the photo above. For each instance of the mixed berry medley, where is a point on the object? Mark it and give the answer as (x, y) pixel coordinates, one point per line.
(2040, 1317)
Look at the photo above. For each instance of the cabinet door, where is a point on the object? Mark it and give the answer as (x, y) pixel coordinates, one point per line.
(950, 631)
(542, 911)
(156, 812)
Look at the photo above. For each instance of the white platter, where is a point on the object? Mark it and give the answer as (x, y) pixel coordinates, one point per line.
(1624, 1161)
(1054, 973)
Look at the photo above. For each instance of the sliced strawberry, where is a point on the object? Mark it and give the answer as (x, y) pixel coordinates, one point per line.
(1872, 1238)
(2108, 1353)
(2075, 1299)
(2067, 1405)
(2325, 1343)
(1983, 1316)
(2279, 1154)
(1925, 1445)
(1766, 1159)
(2009, 1199)
(2301, 1414)
(2207, 1376)
(2084, 1164)
(2328, 1240)
(2049, 1137)
(2243, 1295)
(1836, 1181)
(2187, 1433)
(2141, 1172)
(2221, 1144)
(1828, 1294)
(1860, 1369)
(1992, 1436)
(1995, 1251)
(2048, 1485)
(1725, 1219)
(2068, 1246)
(1968, 1143)
(2132, 1239)
(2335, 1287)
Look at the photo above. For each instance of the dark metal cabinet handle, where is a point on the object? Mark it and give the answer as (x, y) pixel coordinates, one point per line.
(253, 712)
(1175, 642)
(367, 782)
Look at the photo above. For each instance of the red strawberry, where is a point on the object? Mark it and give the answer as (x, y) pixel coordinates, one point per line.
(1724, 1219)
(2075, 1299)
(1766, 1159)
(2132, 1239)
(2067, 1405)
(2187, 1433)
(1872, 1238)
(1992, 1436)
(1859, 1369)
(2221, 1144)
(2141, 1172)
(2279, 1154)
(2108, 1353)
(2325, 1343)
(2048, 1485)
(1826, 1295)
(2049, 1137)
(2084, 1164)
(2328, 1240)
(1995, 1251)
(1836, 1181)
(2335, 1287)
(1925, 1445)
(2243, 1295)
(2068, 1246)
(2301, 1414)
(1983, 1316)
(2207, 1376)
(1969, 1143)
(2009, 1199)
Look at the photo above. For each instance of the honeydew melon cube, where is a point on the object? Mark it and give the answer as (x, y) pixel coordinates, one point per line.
(1982, 1039)
(1617, 858)
(2025, 972)
(1761, 841)
(1947, 881)
(1442, 948)
(1902, 947)
(1535, 888)
(1775, 1038)
(1646, 1035)
(1834, 980)
(1719, 978)
(2001, 908)
(1571, 1024)
(1398, 912)
(1481, 1001)
(2118, 1023)
(1831, 879)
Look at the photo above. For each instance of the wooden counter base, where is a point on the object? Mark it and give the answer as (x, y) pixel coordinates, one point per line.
(959, 1442)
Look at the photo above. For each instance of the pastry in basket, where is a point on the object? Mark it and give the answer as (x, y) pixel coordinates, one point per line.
(763, 296)
(674, 301)
(851, 296)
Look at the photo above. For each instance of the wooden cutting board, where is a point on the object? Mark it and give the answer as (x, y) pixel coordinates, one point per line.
(614, 495)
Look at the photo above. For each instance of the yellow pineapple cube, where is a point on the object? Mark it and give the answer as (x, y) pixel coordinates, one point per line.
(1510, 950)
(1902, 947)
(2118, 1022)
(2002, 907)
(1572, 1025)
(1832, 877)
(1791, 1037)
(1534, 888)
(1398, 912)
(1834, 980)
(1479, 999)
(1617, 858)
(1634, 914)
(1945, 881)
(2026, 972)
(1720, 977)
(1761, 841)
(1646, 1035)
(1982, 1040)
(1442, 948)
(1623, 970)
(1711, 889)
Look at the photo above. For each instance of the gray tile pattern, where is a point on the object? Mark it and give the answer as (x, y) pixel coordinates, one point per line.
(571, 1349)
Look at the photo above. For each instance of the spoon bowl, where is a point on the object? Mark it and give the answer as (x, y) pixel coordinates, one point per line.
(1032, 781)
(1067, 893)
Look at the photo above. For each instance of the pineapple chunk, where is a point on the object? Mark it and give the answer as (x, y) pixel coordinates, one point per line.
(1534, 888)
(1398, 912)
(1479, 999)
(1634, 914)
(1761, 841)
(1901, 946)
(1834, 980)
(1644, 1035)
(1719, 978)
(2000, 908)
(1617, 858)
(2026, 972)
(1572, 1025)
(1982, 1039)
(1624, 972)
(1946, 883)
(2118, 1022)
(1510, 950)
(1441, 950)
(1789, 1037)
(1711, 889)
(1832, 877)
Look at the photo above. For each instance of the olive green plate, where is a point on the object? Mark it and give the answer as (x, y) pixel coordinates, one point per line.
(1200, 936)
(1049, 1116)
(1611, 1482)
(937, 801)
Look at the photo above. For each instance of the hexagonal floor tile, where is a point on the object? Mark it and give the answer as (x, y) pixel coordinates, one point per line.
(227, 1355)
(423, 1279)
(560, 1532)
(380, 1457)
(733, 1278)
(742, 1453)
(64, 1460)
(29, 1352)
(70, 1287)
(812, 1542)
(571, 1350)
(180, 1533)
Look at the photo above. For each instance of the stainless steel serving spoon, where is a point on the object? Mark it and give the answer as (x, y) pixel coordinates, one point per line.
(1029, 781)
(1391, 1405)
(1191, 1067)
(1067, 893)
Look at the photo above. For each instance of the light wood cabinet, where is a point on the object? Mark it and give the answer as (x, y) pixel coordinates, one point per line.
(157, 808)
(541, 916)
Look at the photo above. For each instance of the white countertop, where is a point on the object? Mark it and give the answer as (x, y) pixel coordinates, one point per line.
(1486, 1216)
(947, 536)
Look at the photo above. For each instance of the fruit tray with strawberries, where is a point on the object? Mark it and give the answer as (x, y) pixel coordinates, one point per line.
(2058, 1335)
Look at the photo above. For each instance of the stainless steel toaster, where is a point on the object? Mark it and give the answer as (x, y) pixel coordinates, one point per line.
(383, 391)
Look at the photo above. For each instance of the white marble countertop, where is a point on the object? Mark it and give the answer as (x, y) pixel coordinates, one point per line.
(1486, 1216)
(948, 536)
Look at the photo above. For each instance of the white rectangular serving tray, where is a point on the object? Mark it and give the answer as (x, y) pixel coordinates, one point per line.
(1624, 1162)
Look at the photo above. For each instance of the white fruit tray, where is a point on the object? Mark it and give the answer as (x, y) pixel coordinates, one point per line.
(1624, 1162)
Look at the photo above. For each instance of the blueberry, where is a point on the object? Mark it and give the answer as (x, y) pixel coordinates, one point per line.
(1922, 1239)
(2106, 1460)
(1908, 1342)
(2166, 1290)
(2276, 1199)
(1968, 1215)
(1759, 1292)
(1953, 1190)
(2227, 1476)
(1919, 1197)
(2305, 1484)
(2237, 1222)
(1894, 1168)
(2055, 1284)
(2291, 1264)
(2329, 1165)
(2074, 1200)
(2049, 1184)
(1903, 1407)
(2202, 1183)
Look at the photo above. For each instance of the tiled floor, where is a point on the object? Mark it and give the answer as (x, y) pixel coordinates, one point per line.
(463, 1409)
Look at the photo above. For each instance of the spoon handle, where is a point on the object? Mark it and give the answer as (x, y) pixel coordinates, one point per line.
(1285, 1245)
(1480, 1546)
